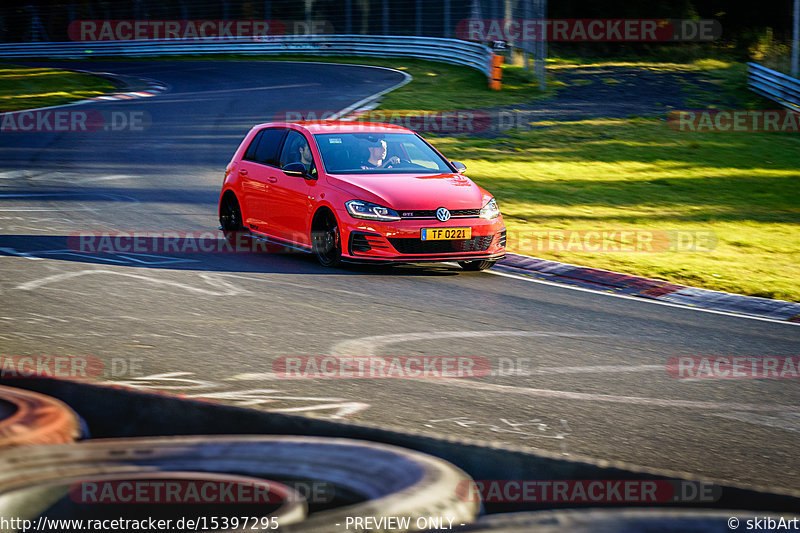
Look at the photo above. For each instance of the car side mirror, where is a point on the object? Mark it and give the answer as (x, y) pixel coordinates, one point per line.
(297, 170)
(461, 167)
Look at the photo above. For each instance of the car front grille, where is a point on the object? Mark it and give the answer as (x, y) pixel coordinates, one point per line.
(417, 246)
(431, 213)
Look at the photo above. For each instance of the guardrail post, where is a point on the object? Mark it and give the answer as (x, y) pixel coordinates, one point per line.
(495, 82)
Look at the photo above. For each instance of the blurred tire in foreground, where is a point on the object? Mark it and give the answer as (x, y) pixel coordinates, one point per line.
(31, 418)
(367, 479)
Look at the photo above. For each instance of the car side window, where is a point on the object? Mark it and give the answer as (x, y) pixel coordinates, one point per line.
(267, 150)
(297, 150)
(250, 154)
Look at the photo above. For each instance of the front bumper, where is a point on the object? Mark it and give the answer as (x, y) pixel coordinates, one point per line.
(397, 242)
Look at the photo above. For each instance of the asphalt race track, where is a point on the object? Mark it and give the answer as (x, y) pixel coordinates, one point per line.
(576, 372)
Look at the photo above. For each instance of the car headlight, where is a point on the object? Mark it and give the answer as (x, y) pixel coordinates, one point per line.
(490, 210)
(370, 211)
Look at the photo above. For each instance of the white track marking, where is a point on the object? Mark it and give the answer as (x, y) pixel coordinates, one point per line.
(344, 409)
(638, 400)
(299, 285)
(252, 376)
(113, 197)
(92, 258)
(107, 198)
(369, 346)
(613, 369)
(26, 255)
(373, 97)
(178, 95)
(785, 421)
(166, 381)
(108, 178)
(228, 288)
(256, 397)
(636, 298)
(181, 381)
(64, 177)
(122, 257)
(12, 174)
(599, 369)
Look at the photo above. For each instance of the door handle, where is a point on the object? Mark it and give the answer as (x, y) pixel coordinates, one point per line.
(242, 172)
(272, 180)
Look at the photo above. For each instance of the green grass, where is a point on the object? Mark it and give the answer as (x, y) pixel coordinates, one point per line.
(28, 88)
(637, 174)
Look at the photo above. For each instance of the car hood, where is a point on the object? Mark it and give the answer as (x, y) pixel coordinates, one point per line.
(413, 191)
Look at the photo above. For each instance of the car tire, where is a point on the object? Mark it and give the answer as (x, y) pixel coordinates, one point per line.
(326, 241)
(96, 492)
(28, 417)
(230, 218)
(369, 479)
(475, 266)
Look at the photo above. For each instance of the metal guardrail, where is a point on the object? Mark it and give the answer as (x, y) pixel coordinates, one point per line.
(776, 86)
(452, 51)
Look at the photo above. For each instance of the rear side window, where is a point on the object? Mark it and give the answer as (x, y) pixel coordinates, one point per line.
(250, 154)
(268, 146)
(265, 145)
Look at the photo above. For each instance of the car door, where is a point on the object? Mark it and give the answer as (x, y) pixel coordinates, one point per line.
(289, 204)
(257, 171)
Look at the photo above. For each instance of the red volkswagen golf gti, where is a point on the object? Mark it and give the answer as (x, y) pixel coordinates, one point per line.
(358, 192)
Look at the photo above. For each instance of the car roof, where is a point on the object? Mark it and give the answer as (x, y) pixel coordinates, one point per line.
(334, 126)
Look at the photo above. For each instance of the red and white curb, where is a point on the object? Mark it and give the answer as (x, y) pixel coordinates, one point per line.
(152, 87)
(617, 283)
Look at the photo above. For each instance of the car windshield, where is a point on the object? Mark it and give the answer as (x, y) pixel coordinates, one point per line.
(383, 153)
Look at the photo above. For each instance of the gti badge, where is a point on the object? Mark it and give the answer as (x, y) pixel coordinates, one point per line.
(443, 214)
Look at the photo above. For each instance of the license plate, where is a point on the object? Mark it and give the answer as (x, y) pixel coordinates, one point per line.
(444, 234)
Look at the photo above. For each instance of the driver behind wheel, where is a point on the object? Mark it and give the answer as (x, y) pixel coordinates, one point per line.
(377, 154)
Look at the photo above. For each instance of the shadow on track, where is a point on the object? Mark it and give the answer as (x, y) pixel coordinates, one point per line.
(257, 259)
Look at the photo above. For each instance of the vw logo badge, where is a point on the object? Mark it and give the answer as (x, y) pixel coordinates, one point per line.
(443, 214)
